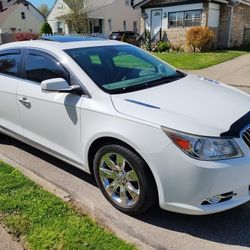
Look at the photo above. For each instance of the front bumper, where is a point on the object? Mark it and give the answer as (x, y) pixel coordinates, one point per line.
(185, 183)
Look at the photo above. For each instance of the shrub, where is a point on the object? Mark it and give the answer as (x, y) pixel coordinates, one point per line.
(199, 38)
(25, 36)
(163, 46)
(177, 47)
(46, 28)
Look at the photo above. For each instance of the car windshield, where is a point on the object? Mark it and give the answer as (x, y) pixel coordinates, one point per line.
(123, 68)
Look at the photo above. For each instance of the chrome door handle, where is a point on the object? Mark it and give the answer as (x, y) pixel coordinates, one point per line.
(25, 102)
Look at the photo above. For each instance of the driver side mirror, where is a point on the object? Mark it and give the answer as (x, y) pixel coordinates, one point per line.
(60, 85)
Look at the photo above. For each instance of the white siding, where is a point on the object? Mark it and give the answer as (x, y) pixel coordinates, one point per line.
(167, 10)
(117, 11)
(214, 15)
(59, 9)
(14, 20)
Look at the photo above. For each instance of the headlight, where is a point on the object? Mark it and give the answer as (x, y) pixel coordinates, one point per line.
(204, 148)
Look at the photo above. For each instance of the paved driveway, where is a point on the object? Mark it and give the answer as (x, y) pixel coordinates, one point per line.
(235, 72)
(7, 242)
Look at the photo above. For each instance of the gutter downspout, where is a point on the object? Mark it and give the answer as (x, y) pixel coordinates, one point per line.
(230, 27)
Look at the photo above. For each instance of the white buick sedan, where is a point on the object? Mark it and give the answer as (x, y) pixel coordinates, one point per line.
(147, 132)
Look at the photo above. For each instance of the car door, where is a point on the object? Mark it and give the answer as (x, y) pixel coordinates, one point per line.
(51, 120)
(9, 79)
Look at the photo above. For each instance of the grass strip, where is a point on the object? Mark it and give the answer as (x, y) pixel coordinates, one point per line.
(193, 61)
(43, 221)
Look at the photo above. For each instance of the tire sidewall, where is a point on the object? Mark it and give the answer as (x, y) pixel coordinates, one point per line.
(138, 165)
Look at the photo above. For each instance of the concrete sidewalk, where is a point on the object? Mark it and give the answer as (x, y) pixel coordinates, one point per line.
(235, 72)
(7, 242)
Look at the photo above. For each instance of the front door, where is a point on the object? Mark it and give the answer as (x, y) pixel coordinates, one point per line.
(156, 21)
(51, 120)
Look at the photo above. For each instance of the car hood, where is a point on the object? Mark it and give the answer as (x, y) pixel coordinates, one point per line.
(192, 104)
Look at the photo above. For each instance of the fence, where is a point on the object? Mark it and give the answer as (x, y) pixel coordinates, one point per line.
(7, 38)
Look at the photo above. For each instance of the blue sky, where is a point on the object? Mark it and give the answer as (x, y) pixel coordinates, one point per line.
(37, 3)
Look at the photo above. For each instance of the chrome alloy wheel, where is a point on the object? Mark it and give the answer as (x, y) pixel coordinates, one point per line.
(119, 180)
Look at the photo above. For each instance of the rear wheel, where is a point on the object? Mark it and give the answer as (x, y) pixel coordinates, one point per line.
(124, 179)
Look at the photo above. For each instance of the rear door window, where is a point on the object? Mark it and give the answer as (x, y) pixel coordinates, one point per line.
(9, 63)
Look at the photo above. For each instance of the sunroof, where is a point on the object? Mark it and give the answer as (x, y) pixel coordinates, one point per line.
(66, 39)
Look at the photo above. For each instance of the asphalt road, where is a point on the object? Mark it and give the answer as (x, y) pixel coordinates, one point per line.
(157, 228)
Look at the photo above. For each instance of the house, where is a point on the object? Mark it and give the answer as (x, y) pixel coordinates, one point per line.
(230, 20)
(19, 16)
(104, 16)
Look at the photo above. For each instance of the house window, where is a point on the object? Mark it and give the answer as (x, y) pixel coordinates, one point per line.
(124, 25)
(193, 18)
(185, 18)
(22, 15)
(132, 3)
(176, 19)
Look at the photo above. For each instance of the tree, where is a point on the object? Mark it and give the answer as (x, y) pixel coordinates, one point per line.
(46, 29)
(44, 9)
(76, 19)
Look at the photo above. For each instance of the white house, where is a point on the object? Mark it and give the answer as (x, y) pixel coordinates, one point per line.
(104, 16)
(20, 17)
(59, 9)
(35, 12)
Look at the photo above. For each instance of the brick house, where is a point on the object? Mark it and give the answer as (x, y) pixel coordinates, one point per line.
(230, 20)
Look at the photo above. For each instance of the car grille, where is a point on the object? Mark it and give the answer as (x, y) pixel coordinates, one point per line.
(246, 136)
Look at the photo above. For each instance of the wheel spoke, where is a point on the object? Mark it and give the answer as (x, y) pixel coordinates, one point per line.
(123, 196)
(133, 191)
(121, 162)
(131, 175)
(112, 187)
(106, 173)
(111, 164)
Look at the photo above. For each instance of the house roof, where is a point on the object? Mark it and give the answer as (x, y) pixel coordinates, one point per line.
(7, 12)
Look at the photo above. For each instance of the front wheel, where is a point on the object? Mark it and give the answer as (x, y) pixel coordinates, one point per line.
(124, 179)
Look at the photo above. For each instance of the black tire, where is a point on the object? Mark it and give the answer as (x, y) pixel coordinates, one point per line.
(144, 180)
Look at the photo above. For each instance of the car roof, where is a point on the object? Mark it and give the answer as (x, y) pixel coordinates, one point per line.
(66, 39)
(52, 45)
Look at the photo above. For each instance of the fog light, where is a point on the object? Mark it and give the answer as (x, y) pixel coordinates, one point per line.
(214, 199)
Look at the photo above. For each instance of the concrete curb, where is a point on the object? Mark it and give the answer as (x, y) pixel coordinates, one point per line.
(85, 206)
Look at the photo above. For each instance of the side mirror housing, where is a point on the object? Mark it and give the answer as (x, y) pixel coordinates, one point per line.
(60, 85)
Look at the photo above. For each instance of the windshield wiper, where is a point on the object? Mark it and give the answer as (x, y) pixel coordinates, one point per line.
(149, 84)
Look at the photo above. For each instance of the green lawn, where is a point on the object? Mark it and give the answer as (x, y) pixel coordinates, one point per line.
(44, 221)
(192, 61)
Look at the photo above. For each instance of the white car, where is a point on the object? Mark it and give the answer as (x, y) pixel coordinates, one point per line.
(148, 132)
